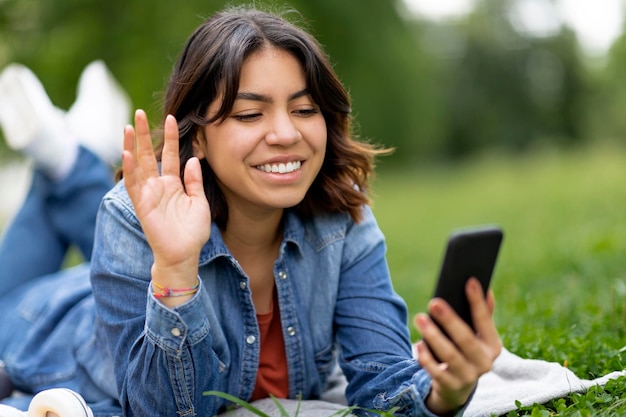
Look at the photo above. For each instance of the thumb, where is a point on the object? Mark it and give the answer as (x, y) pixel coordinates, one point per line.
(193, 178)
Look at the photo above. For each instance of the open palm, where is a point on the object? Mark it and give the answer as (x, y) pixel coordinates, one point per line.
(175, 219)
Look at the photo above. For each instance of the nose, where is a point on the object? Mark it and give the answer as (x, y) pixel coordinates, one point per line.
(283, 131)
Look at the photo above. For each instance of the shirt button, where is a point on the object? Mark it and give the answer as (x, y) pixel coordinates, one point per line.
(250, 339)
(176, 332)
(243, 285)
(291, 331)
(282, 275)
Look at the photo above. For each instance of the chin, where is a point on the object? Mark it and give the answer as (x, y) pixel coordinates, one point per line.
(289, 202)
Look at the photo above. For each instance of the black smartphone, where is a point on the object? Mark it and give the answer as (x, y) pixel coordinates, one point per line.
(470, 252)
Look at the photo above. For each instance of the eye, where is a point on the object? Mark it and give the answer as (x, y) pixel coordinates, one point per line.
(247, 117)
(307, 112)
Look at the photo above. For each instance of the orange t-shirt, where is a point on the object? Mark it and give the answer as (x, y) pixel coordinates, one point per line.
(273, 377)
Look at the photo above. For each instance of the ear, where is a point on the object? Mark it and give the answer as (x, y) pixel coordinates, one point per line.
(198, 144)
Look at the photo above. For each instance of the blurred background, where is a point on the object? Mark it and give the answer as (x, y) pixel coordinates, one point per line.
(501, 111)
(444, 82)
(435, 79)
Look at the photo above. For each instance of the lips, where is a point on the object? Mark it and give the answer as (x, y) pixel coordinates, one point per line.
(280, 168)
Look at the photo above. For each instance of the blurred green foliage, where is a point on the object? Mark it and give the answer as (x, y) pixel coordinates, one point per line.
(509, 90)
(560, 281)
(432, 90)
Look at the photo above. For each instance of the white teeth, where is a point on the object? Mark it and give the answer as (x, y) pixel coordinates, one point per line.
(280, 168)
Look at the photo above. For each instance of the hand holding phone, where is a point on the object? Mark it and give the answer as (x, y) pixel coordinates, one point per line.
(469, 253)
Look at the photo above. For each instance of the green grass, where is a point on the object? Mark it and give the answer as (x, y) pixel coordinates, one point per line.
(560, 282)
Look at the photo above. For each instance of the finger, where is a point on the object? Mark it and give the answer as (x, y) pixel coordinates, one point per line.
(463, 345)
(483, 353)
(454, 326)
(143, 140)
(437, 370)
(193, 178)
(170, 159)
(133, 174)
(481, 313)
(129, 161)
(458, 355)
(438, 343)
(129, 139)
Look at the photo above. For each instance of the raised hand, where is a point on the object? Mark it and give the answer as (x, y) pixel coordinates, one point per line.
(175, 219)
(465, 356)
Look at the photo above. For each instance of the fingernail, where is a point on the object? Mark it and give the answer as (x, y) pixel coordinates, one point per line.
(437, 309)
(421, 321)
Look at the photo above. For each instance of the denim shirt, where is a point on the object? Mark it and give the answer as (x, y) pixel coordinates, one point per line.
(336, 304)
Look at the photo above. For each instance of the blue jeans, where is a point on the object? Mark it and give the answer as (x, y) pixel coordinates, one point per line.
(54, 217)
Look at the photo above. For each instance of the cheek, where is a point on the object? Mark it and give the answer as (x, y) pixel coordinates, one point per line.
(226, 154)
(319, 136)
(213, 146)
(319, 145)
(322, 143)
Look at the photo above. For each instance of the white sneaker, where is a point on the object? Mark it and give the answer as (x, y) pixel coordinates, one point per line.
(30, 122)
(100, 112)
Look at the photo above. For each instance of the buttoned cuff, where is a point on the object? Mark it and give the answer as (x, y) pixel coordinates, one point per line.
(171, 328)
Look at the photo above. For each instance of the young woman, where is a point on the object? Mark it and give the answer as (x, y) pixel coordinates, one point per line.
(243, 257)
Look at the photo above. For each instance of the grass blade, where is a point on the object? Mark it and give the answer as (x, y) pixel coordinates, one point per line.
(237, 401)
(281, 408)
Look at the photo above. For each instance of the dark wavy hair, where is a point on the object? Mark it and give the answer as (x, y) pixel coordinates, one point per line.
(210, 65)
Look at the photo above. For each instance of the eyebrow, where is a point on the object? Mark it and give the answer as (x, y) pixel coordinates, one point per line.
(268, 99)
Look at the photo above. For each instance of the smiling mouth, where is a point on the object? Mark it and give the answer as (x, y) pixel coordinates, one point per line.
(280, 168)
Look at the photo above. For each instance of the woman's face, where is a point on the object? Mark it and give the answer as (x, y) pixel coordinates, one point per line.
(269, 149)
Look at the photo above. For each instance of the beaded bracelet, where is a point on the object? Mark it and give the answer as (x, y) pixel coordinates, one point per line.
(174, 292)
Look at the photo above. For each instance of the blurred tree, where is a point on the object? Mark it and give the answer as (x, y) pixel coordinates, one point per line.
(139, 40)
(390, 77)
(377, 56)
(510, 90)
(428, 89)
(609, 102)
